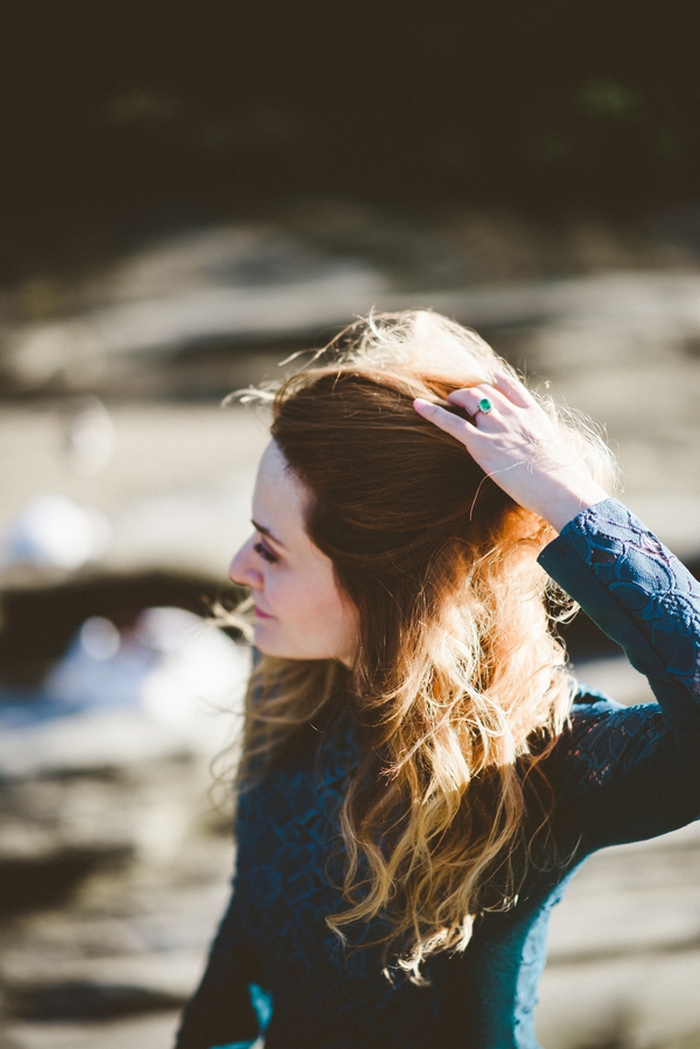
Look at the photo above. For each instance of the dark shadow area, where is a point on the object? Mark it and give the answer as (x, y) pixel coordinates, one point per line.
(123, 118)
(81, 1001)
(34, 882)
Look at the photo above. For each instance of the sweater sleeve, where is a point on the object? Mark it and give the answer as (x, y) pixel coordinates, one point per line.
(631, 773)
(221, 1012)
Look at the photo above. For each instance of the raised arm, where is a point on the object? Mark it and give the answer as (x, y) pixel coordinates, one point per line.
(631, 773)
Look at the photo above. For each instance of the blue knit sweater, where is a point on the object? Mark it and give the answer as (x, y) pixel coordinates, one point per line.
(618, 774)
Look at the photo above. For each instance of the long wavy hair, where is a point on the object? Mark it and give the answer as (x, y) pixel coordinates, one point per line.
(460, 683)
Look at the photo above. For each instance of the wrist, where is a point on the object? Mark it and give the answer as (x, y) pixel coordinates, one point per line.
(566, 501)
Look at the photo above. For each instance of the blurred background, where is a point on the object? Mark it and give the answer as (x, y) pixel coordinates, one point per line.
(191, 193)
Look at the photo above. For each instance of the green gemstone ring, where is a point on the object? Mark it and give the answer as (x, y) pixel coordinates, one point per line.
(484, 406)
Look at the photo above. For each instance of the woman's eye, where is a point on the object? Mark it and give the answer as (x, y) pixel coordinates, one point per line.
(265, 553)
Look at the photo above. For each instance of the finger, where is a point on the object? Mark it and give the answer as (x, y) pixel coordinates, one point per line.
(514, 389)
(470, 399)
(447, 421)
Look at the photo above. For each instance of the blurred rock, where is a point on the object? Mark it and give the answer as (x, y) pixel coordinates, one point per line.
(115, 699)
(123, 938)
(40, 616)
(49, 878)
(264, 287)
(234, 284)
(75, 1000)
(53, 531)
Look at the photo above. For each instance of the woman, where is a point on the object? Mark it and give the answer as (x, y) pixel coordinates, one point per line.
(420, 773)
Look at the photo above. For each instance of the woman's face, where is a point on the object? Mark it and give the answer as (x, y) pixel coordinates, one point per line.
(299, 610)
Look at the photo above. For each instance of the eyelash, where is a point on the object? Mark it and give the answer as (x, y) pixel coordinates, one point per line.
(267, 555)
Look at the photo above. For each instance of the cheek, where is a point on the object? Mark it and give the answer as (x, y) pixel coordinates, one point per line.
(335, 619)
(312, 620)
(316, 606)
(324, 598)
(282, 594)
(293, 603)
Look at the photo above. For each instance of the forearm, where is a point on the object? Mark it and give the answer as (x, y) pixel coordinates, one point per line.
(642, 597)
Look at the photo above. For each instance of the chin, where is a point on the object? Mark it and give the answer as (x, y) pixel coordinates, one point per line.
(271, 641)
(265, 641)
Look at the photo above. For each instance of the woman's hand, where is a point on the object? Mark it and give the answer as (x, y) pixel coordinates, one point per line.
(518, 446)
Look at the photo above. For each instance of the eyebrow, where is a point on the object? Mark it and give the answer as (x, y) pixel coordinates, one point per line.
(266, 532)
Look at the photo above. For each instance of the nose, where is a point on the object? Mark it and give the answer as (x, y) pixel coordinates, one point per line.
(243, 568)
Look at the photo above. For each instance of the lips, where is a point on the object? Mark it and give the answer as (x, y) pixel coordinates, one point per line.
(262, 615)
